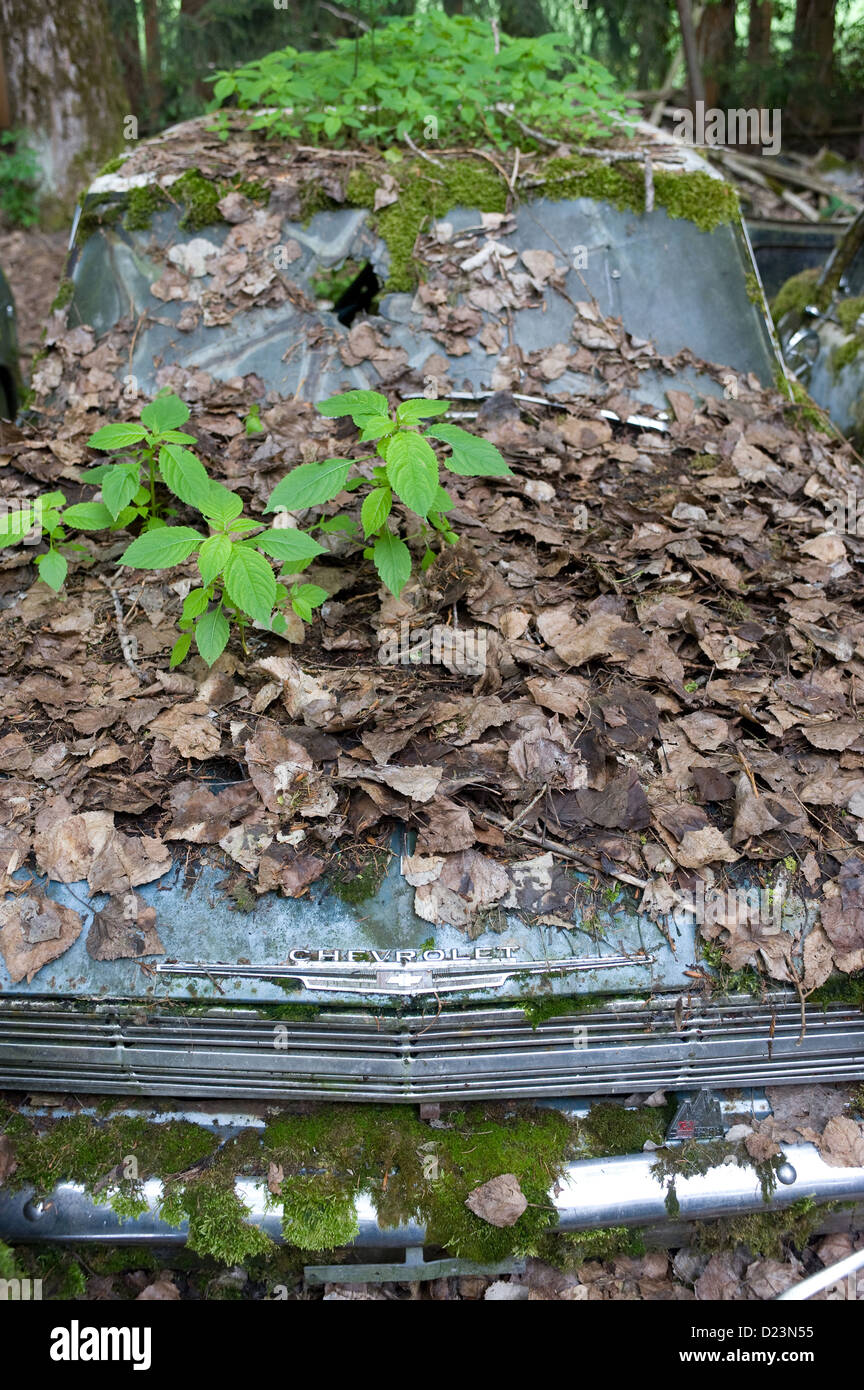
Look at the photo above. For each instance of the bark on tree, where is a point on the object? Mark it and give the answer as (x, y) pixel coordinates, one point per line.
(65, 90)
(717, 48)
(153, 43)
(759, 35)
(759, 46)
(124, 25)
(814, 37)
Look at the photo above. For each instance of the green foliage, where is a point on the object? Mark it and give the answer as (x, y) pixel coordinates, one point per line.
(42, 518)
(410, 474)
(237, 580)
(433, 78)
(238, 584)
(19, 179)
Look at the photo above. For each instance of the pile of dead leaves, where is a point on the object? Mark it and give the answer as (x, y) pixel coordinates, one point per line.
(672, 640)
(648, 647)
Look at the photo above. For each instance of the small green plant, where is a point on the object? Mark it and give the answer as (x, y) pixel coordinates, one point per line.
(19, 179)
(442, 78)
(154, 450)
(43, 515)
(409, 473)
(234, 559)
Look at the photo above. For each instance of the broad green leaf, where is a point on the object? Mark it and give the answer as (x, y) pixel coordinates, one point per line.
(211, 635)
(177, 437)
(410, 412)
(221, 505)
(286, 544)
(184, 475)
(341, 522)
(180, 650)
(375, 510)
(310, 485)
(213, 557)
(120, 436)
(250, 583)
(354, 403)
(164, 413)
(374, 426)
(119, 487)
(472, 457)
(161, 548)
(392, 561)
(88, 516)
(412, 470)
(97, 473)
(306, 597)
(52, 569)
(194, 604)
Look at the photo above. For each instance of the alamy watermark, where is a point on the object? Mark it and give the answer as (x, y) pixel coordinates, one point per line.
(739, 126)
(460, 649)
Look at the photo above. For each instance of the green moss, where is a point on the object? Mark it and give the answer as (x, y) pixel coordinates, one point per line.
(425, 194)
(694, 196)
(567, 1251)
(754, 291)
(9, 1268)
(612, 1129)
(805, 406)
(767, 1234)
(846, 353)
(103, 210)
(745, 981)
(64, 295)
(80, 1149)
(799, 291)
(841, 989)
(200, 198)
(112, 166)
(318, 1213)
(218, 1224)
(328, 1156)
(414, 1172)
(552, 1006)
(141, 204)
(848, 311)
(357, 882)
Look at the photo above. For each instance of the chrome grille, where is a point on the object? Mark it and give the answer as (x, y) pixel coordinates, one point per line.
(476, 1053)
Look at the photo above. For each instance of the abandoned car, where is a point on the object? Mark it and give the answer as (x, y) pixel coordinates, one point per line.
(577, 811)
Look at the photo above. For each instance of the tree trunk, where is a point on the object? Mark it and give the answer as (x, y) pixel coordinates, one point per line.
(124, 26)
(153, 43)
(717, 48)
(814, 38)
(65, 90)
(759, 47)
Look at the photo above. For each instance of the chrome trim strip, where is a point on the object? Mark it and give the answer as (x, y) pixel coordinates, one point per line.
(403, 978)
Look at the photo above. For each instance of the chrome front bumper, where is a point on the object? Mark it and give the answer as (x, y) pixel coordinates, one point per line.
(474, 1053)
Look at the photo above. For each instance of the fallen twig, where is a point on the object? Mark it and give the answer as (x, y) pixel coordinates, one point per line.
(128, 645)
(545, 843)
